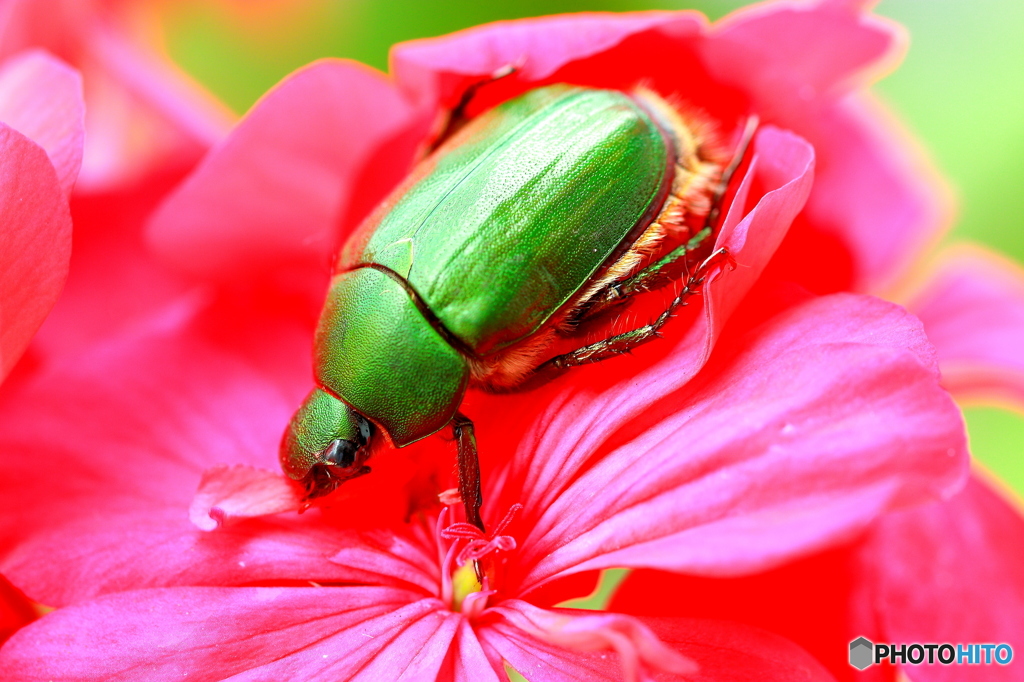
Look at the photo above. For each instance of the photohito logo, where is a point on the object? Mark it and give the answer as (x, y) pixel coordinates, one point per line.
(863, 652)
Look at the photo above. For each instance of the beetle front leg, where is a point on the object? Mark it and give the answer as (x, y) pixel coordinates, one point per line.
(469, 469)
(627, 341)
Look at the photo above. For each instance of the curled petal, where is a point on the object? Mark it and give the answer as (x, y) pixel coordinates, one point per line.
(438, 69)
(972, 307)
(41, 98)
(782, 163)
(35, 242)
(229, 493)
(639, 650)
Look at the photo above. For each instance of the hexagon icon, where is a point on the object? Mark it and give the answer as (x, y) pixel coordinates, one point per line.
(860, 653)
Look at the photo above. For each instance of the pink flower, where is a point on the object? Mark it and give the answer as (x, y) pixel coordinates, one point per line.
(775, 466)
(907, 579)
(943, 572)
(810, 419)
(972, 305)
(40, 154)
(143, 112)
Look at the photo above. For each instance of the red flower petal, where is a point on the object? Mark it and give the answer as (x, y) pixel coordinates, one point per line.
(436, 70)
(272, 195)
(972, 307)
(819, 421)
(133, 93)
(637, 649)
(871, 191)
(827, 44)
(471, 662)
(41, 98)
(230, 493)
(35, 242)
(789, 57)
(133, 426)
(952, 572)
(730, 652)
(388, 558)
(272, 634)
(15, 610)
(907, 581)
(818, 602)
(722, 652)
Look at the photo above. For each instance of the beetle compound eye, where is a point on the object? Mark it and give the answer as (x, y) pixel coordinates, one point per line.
(340, 453)
(365, 429)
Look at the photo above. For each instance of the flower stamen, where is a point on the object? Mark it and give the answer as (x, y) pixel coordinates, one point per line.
(481, 545)
(468, 586)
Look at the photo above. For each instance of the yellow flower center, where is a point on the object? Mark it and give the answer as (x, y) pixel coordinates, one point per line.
(464, 583)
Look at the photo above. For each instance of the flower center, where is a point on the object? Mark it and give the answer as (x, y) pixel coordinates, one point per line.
(476, 555)
(464, 583)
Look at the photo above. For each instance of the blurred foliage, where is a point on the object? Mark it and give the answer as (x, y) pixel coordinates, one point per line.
(961, 89)
(603, 592)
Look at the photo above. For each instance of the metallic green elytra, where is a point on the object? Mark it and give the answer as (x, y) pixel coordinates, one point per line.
(533, 216)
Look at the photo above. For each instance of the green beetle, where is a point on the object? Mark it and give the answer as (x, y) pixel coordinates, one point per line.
(548, 209)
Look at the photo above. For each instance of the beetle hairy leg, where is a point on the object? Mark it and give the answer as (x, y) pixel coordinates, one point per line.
(469, 469)
(678, 262)
(627, 341)
(667, 270)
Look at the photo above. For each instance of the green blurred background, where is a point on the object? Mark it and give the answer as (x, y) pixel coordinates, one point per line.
(961, 88)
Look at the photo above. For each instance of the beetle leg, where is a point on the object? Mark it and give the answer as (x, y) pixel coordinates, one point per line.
(677, 262)
(469, 469)
(627, 341)
(667, 270)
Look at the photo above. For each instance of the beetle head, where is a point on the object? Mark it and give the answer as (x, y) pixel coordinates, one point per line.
(326, 444)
